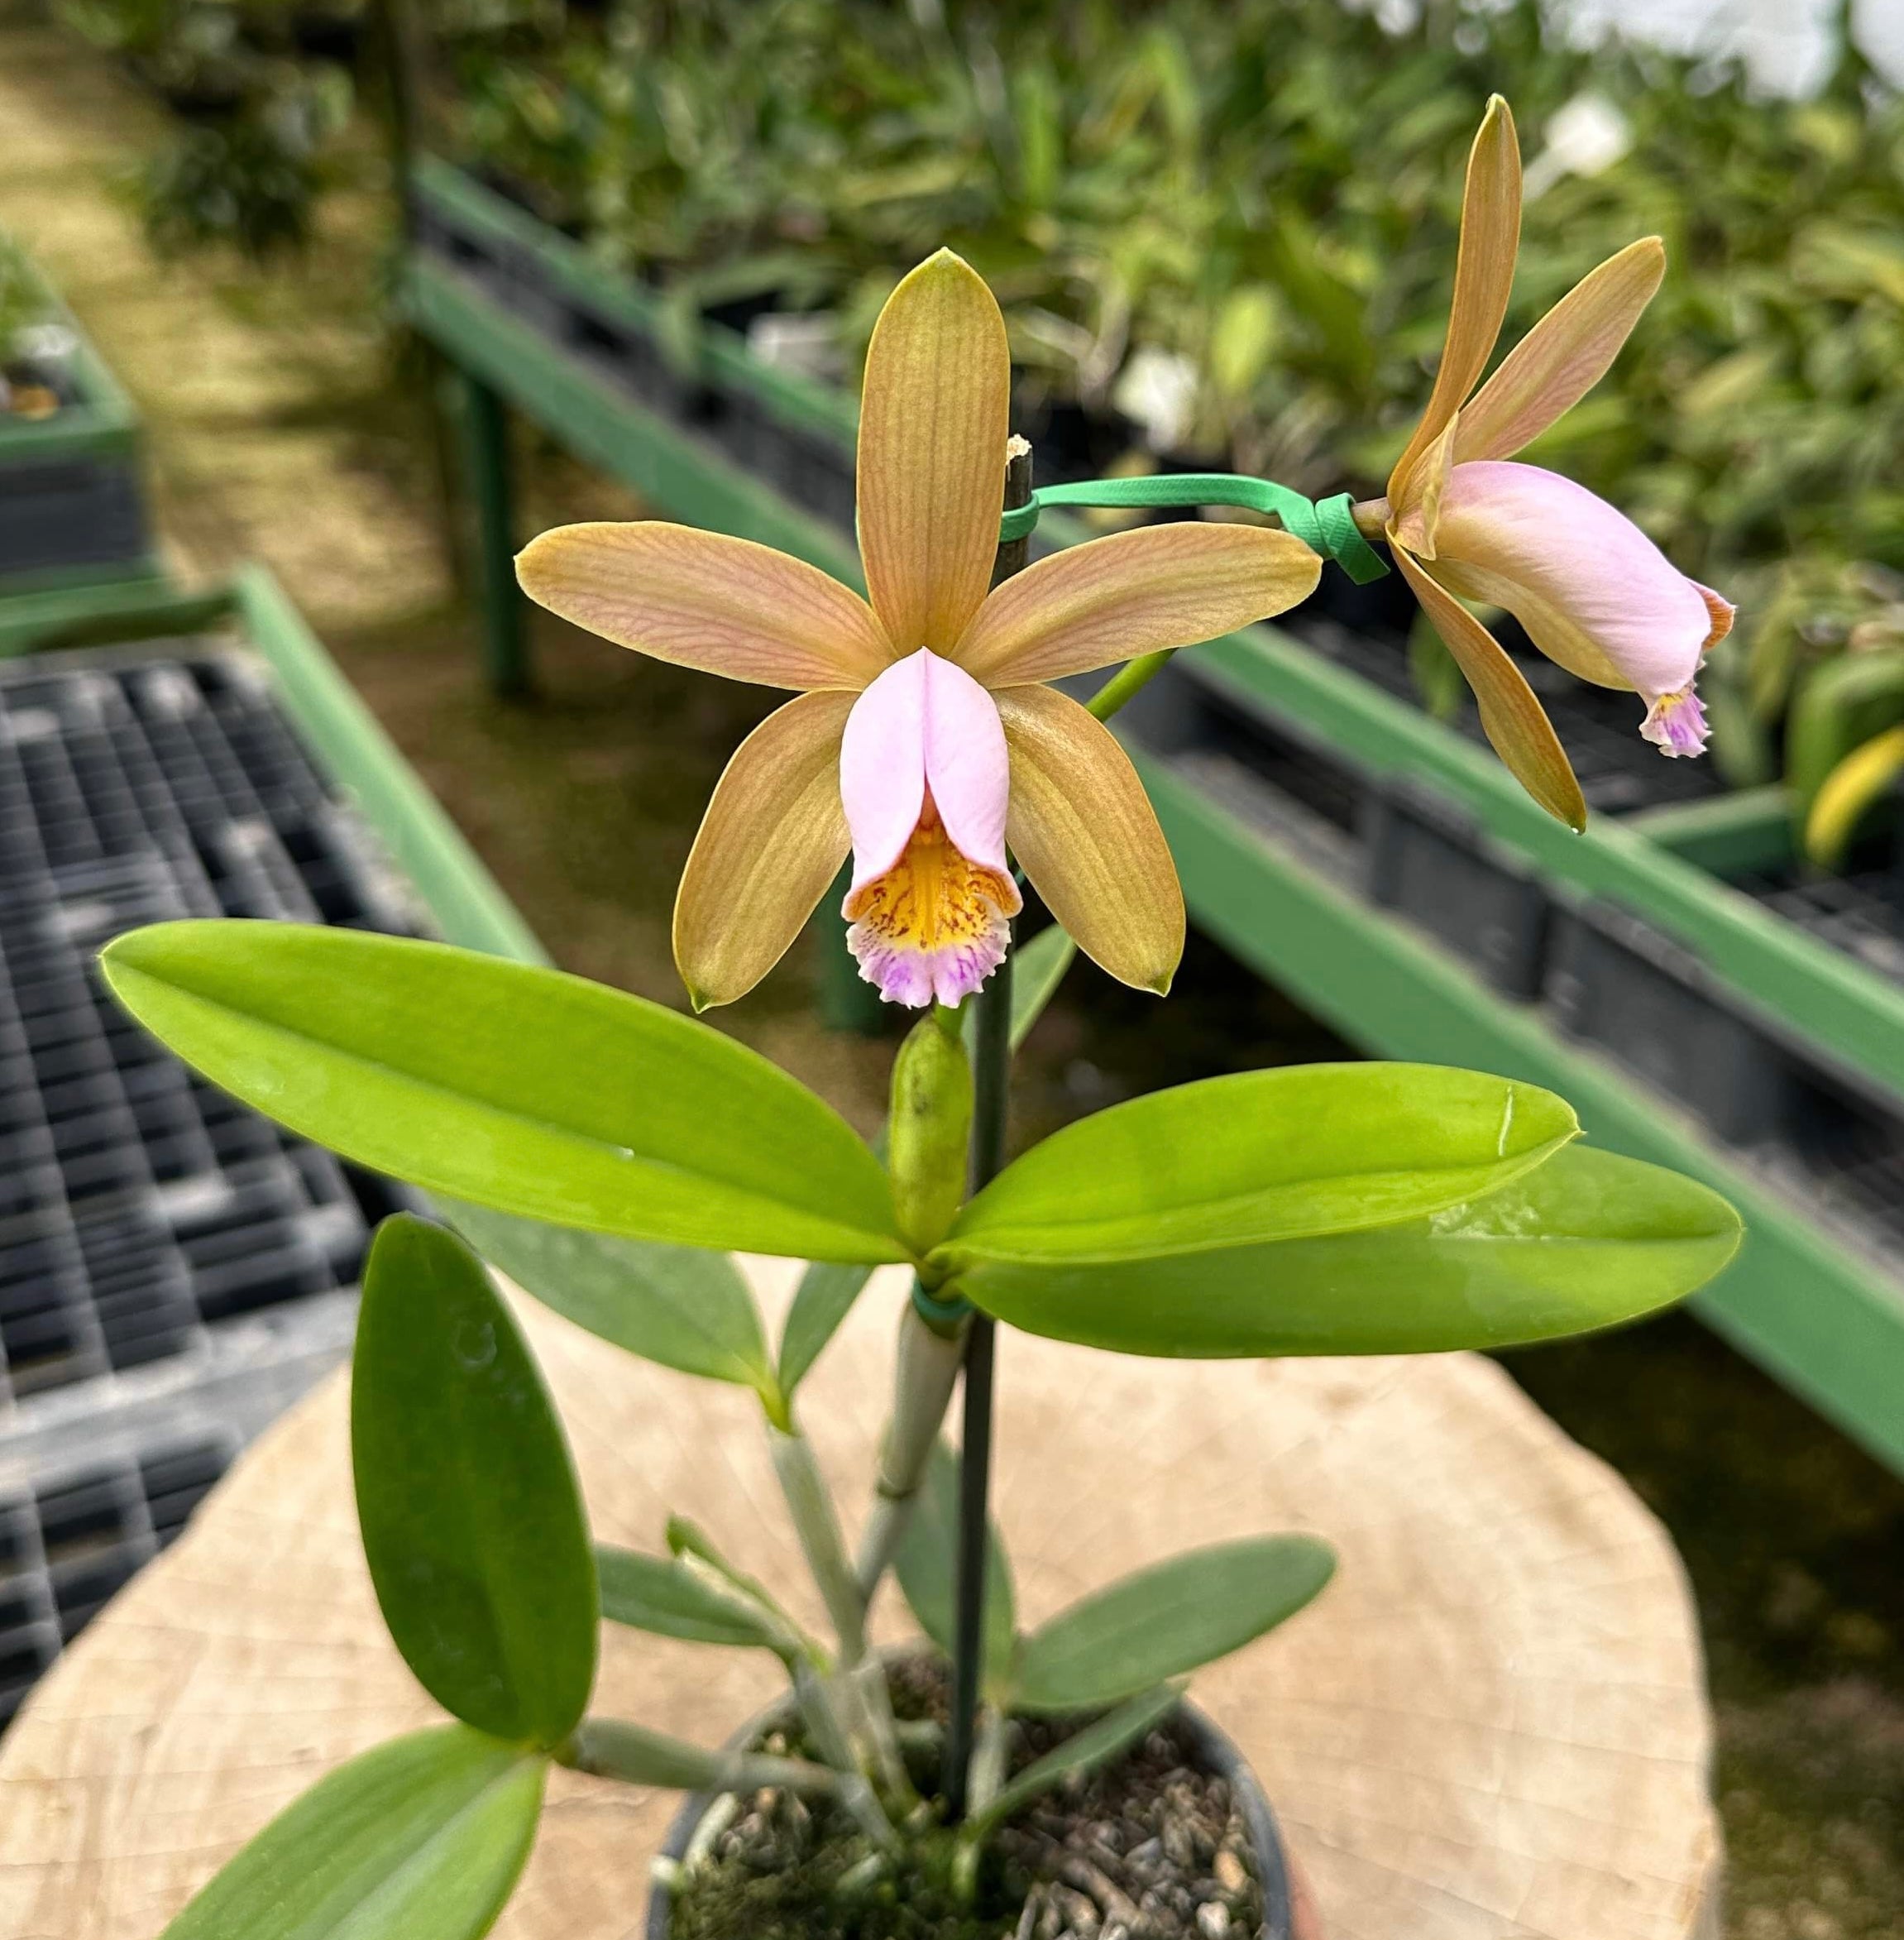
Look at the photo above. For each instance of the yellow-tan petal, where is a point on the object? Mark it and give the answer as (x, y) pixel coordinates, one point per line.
(1083, 827)
(703, 599)
(1112, 599)
(773, 839)
(1513, 720)
(1564, 356)
(934, 417)
(1483, 279)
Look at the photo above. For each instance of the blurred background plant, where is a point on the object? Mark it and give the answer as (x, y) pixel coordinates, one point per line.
(35, 344)
(261, 90)
(1220, 229)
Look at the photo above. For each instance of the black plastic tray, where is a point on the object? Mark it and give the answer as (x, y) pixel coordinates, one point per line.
(71, 512)
(147, 1222)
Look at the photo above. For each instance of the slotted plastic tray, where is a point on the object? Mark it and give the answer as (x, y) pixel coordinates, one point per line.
(154, 1234)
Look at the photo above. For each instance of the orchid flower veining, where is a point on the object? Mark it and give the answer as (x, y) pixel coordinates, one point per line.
(925, 741)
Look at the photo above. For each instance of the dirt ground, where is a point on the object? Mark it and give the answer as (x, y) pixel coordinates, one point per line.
(285, 424)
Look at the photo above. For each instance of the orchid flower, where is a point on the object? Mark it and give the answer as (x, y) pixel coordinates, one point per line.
(1594, 592)
(924, 739)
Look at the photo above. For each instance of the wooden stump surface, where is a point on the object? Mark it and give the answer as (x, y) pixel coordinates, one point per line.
(1491, 1724)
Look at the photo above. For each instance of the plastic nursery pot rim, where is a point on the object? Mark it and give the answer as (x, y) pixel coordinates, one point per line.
(1212, 1748)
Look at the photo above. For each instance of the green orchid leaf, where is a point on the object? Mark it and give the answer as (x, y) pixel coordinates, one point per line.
(1168, 1620)
(1262, 1156)
(682, 1306)
(1841, 705)
(1036, 972)
(1038, 968)
(824, 1299)
(927, 1565)
(664, 1595)
(1586, 1241)
(509, 1085)
(1097, 1744)
(419, 1839)
(1848, 794)
(472, 1517)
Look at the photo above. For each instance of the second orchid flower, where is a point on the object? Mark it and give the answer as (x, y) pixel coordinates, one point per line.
(1595, 594)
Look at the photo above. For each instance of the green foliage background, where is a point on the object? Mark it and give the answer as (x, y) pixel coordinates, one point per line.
(1271, 188)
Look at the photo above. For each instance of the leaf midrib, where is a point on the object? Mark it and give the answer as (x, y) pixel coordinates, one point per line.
(387, 1887)
(1210, 1208)
(435, 1089)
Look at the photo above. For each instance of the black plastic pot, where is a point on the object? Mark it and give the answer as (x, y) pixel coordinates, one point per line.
(1283, 1902)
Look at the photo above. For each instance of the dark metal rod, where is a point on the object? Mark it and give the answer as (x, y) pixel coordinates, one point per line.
(991, 1080)
(505, 634)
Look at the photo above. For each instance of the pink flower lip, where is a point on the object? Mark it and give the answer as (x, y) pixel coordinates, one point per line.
(1583, 579)
(923, 724)
(924, 779)
(1676, 723)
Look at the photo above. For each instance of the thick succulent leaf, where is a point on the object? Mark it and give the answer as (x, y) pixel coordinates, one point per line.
(664, 1595)
(1263, 1155)
(419, 1839)
(824, 1298)
(1167, 1621)
(1097, 1744)
(927, 1564)
(1587, 1240)
(509, 1085)
(683, 1306)
(471, 1516)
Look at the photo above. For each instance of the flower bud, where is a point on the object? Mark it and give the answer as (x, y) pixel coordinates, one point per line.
(931, 1129)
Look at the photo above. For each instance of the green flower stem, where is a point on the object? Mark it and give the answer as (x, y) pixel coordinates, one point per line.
(927, 1372)
(1130, 679)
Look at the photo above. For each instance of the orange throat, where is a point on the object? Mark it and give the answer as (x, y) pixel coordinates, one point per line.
(935, 925)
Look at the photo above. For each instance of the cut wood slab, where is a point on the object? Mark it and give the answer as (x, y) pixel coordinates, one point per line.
(1491, 1724)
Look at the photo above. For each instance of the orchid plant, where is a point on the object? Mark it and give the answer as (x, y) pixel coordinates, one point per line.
(608, 1154)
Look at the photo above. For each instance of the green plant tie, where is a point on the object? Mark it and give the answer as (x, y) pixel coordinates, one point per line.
(939, 1313)
(1327, 526)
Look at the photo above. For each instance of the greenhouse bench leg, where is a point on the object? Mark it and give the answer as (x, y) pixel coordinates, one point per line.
(506, 638)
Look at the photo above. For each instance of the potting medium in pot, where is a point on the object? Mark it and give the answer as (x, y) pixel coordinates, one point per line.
(1177, 1839)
